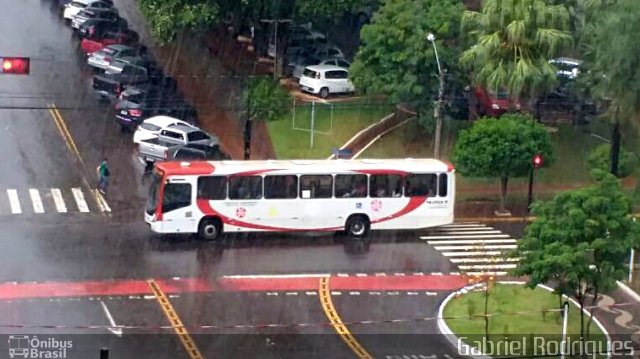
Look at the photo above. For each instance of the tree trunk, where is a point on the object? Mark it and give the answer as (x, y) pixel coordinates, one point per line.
(615, 147)
(247, 139)
(503, 192)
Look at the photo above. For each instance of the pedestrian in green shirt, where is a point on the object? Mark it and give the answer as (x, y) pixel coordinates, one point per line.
(103, 174)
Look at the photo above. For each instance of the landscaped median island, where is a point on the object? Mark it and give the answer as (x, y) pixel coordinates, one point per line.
(334, 123)
(517, 321)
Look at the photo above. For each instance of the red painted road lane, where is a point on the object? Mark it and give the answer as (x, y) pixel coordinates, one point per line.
(227, 284)
(410, 282)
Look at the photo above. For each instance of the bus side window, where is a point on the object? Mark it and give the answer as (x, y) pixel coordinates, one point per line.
(212, 187)
(354, 186)
(176, 196)
(385, 186)
(283, 187)
(419, 185)
(245, 187)
(442, 185)
(316, 186)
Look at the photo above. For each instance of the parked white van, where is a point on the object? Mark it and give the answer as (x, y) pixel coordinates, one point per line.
(325, 79)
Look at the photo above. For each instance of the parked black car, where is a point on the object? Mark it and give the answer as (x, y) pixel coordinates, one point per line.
(98, 27)
(138, 106)
(112, 84)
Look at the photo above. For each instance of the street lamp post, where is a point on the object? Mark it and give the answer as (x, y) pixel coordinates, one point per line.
(437, 111)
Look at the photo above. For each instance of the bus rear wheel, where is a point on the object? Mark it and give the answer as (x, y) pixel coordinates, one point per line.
(357, 226)
(210, 229)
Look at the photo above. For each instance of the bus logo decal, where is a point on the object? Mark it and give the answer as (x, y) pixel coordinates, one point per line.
(376, 205)
(358, 205)
(241, 212)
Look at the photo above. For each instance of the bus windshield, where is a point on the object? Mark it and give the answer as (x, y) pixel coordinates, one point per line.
(154, 190)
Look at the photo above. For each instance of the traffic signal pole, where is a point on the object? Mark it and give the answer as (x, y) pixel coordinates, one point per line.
(536, 162)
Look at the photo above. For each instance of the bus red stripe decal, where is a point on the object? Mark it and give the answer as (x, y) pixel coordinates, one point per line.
(205, 207)
(414, 203)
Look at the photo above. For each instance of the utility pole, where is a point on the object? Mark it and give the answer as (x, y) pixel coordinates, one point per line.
(275, 42)
(247, 123)
(437, 111)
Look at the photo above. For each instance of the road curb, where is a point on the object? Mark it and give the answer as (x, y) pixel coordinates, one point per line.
(461, 347)
(495, 219)
(630, 292)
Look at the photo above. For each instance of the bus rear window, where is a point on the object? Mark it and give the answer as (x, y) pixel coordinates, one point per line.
(442, 185)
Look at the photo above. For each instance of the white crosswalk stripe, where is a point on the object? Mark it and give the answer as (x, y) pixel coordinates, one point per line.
(51, 200)
(80, 201)
(476, 249)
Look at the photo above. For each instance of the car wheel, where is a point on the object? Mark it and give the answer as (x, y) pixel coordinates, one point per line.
(357, 226)
(210, 229)
(324, 92)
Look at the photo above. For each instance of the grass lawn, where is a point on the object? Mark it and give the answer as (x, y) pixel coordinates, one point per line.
(529, 322)
(337, 124)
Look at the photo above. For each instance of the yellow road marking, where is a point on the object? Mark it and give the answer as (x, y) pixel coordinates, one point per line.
(62, 127)
(337, 323)
(71, 145)
(175, 321)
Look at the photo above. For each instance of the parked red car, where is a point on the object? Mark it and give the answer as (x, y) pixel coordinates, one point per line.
(495, 103)
(94, 43)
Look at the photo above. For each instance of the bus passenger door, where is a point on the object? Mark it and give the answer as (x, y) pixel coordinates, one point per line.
(177, 208)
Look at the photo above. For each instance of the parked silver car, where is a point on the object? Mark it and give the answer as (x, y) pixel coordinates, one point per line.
(101, 59)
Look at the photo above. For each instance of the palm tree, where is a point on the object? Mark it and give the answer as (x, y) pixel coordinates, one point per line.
(612, 54)
(513, 41)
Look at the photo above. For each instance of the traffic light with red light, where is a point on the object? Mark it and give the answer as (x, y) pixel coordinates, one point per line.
(537, 161)
(14, 65)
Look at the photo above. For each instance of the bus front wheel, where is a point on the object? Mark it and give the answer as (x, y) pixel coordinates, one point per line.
(357, 226)
(210, 229)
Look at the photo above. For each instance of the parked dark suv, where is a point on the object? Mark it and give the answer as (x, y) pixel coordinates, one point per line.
(193, 152)
(137, 105)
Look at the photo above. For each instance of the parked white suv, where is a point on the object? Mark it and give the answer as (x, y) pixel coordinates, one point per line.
(324, 80)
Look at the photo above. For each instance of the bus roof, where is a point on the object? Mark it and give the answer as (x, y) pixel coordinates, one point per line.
(303, 166)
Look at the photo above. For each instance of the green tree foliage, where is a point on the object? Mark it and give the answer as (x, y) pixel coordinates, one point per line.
(502, 148)
(579, 241)
(395, 58)
(512, 41)
(311, 9)
(266, 99)
(600, 158)
(612, 56)
(167, 18)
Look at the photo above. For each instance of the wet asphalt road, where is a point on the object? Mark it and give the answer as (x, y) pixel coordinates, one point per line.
(91, 245)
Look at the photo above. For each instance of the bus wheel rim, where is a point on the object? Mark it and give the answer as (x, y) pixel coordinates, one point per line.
(357, 228)
(210, 230)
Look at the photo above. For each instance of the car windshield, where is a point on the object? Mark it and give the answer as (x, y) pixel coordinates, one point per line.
(150, 127)
(78, 4)
(197, 136)
(309, 73)
(107, 51)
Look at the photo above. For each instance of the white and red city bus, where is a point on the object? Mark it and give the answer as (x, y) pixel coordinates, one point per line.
(355, 196)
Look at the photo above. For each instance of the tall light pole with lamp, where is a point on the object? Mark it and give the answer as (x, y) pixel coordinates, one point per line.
(437, 111)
